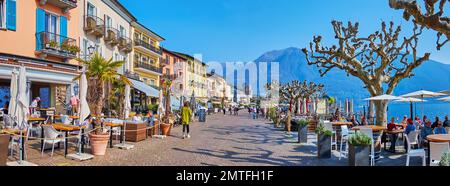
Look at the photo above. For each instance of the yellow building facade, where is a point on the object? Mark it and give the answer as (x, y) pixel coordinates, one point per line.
(146, 54)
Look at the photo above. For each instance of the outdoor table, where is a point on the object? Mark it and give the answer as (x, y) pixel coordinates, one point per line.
(17, 132)
(438, 138)
(393, 144)
(38, 119)
(377, 132)
(113, 125)
(337, 127)
(66, 128)
(70, 117)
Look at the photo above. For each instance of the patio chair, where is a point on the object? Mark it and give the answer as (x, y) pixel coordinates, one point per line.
(436, 152)
(447, 129)
(414, 138)
(51, 136)
(65, 119)
(329, 126)
(15, 141)
(369, 132)
(344, 139)
(414, 152)
(8, 121)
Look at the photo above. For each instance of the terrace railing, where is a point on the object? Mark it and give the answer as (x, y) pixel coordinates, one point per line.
(56, 45)
(112, 36)
(147, 66)
(94, 25)
(125, 44)
(147, 46)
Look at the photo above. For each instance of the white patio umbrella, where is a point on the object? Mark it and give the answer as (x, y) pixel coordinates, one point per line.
(13, 95)
(84, 106)
(22, 106)
(127, 104)
(411, 101)
(423, 94)
(384, 97)
(446, 99)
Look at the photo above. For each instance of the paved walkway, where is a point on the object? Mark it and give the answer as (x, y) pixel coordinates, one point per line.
(222, 140)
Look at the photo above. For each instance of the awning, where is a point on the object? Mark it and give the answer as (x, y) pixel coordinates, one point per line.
(148, 90)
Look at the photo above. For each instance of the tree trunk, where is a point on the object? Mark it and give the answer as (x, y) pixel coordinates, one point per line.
(288, 121)
(381, 113)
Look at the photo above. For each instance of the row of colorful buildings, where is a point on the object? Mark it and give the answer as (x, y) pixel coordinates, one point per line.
(46, 36)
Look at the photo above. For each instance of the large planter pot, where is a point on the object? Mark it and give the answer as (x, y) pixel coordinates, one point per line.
(165, 129)
(98, 143)
(303, 134)
(358, 155)
(4, 141)
(323, 146)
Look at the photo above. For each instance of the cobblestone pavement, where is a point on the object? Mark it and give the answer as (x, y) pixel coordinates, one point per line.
(222, 140)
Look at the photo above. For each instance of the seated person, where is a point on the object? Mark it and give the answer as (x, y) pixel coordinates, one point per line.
(392, 126)
(404, 121)
(410, 127)
(436, 122)
(137, 117)
(364, 120)
(392, 136)
(440, 129)
(426, 130)
(151, 118)
(354, 121)
(418, 123)
(446, 122)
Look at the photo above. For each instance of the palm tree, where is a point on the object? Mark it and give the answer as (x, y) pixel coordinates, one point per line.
(99, 72)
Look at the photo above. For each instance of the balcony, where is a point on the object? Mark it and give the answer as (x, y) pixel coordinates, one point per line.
(111, 36)
(65, 5)
(125, 44)
(146, 66)
(50, 44)
(147, 46)
(94, 25)
(171, 76)
(132, 75)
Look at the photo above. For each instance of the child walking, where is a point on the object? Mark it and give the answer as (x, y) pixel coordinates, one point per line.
(186, 114)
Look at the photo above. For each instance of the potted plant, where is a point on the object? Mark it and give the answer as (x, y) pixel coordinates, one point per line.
(165, 124)
(323, 142)
(445, 160)
(65, 47)
(359, 149)
(4, 142)
(98, 72)
(74, 49)
(302, 131)
(52, 45)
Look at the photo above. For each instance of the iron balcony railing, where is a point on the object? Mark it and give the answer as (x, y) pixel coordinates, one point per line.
(148, 46)
(63, 4)
(147, 66)
(56, 45)
(112, 36)
(125, 44)
(171, 76)
(94, 25)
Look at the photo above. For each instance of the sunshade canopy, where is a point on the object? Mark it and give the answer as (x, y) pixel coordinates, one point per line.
(148, 90)
(383, 97)
(423, 94)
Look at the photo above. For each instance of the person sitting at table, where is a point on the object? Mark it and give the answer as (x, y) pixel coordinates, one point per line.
(425, 119)
(151, 118)
(410, 127)
(354, 121)
(364, 120)
(426, 130)
(418, 123)
(137, 117)
(34, 105)
(6, 107)
(439, 129)
(392, 136)
(435, 123)
(446, 122)
(404, 121)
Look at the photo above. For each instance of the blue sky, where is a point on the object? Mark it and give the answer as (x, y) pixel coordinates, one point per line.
(242, 30)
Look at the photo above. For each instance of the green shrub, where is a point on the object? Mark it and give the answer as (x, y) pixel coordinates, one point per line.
(359, 139)
(153, 107)
(445, 160)
(321, 130)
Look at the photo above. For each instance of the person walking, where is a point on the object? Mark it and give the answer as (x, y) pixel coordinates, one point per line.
(186, 113)
(74, 100)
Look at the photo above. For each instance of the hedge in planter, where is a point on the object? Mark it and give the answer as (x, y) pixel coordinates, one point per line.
(302, 126)
(359, 149)
(323, 142)
(445, 160)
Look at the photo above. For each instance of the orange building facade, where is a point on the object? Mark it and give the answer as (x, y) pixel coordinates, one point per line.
(40, 35)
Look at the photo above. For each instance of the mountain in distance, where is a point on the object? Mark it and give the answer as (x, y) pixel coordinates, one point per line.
(431, 75)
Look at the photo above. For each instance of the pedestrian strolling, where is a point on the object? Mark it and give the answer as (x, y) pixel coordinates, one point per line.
(186, 114)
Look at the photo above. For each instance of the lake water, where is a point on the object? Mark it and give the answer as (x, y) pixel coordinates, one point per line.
(431, 109)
